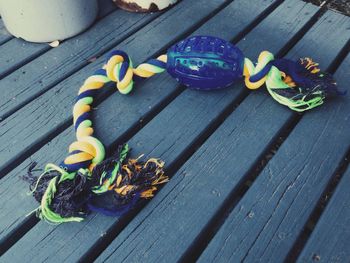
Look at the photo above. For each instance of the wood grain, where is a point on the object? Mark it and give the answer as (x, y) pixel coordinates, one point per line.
(115, 121)
(329, 241)
(147, 96)
(42, 73)
(270, 216)
(17, 52)
(51, 112)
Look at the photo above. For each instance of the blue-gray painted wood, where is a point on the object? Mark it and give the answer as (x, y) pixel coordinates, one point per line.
(17, 52)
(271, 215)
(44, 115)
(109, 117)
(174, 219)
(330, 240)
(147, 95)
(34, 78)
(171, 142)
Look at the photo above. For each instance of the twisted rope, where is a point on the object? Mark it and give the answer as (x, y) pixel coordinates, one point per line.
(87, 151)
(86, 181)
(299, 85)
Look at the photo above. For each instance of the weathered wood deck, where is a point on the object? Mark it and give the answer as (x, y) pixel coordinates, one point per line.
(251, 180)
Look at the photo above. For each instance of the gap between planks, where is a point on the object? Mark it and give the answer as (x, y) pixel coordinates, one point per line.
(294, 121)
(12, 46)
(34, 79)
(46, 133)
(22, 229)
(287, 122)
(330, 188)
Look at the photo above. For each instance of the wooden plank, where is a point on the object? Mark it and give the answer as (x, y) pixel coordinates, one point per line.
(166, 249)
(139, 104)
(44, 116)
(329, 241)
(269, 218)
(34, 78)
(17, 52)
(176, 217)
(194, 125)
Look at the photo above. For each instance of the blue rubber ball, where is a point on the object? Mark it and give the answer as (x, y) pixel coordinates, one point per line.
(205, 62)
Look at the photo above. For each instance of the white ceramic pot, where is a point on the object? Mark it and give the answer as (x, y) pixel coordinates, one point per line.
(47, 20)
(144, 5)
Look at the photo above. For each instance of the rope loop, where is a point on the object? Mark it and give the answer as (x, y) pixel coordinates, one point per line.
(87, 151)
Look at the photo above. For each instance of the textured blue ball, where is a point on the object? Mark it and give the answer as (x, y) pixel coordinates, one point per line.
(205, 62)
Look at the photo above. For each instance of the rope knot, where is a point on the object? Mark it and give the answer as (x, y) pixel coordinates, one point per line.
(65, 191)
(86, 152)
(255, 76)
(119, 69)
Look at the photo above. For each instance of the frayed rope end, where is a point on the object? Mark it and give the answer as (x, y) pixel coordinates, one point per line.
(113, 187)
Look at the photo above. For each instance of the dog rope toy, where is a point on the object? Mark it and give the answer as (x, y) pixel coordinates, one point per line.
(86, 181)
